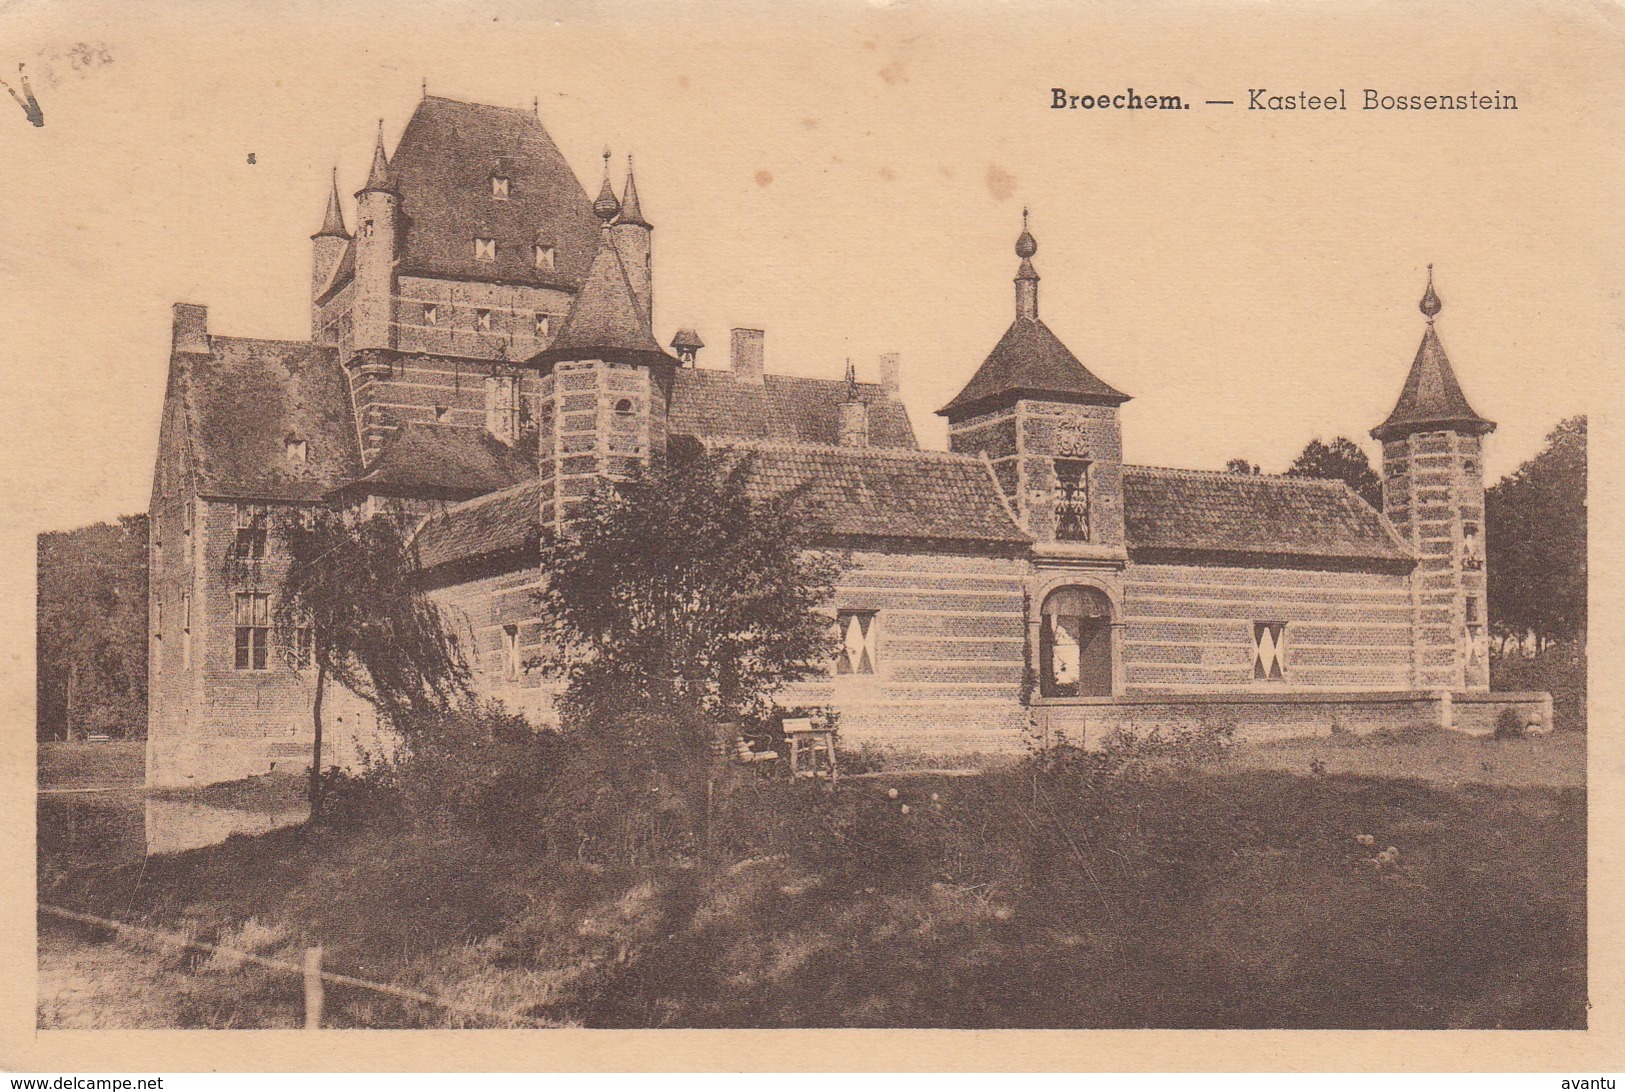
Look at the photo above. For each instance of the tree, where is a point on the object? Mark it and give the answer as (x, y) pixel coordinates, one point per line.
(351, 609)
(91, 630)
(1241, 466)
(1341, 460)
(676, 589)
(1535, 541)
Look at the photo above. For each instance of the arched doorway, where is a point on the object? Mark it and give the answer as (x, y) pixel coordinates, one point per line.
(1075, 644)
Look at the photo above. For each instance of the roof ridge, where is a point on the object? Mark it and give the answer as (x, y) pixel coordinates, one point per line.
(1197, 472)
(790, 445)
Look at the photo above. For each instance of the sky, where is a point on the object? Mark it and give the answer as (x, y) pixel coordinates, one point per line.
(850, 177)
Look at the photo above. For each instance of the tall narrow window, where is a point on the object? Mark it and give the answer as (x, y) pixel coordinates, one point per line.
(510, 652)
(250, 544)
(499, 187)
(545, 258)
(186, 629)
(431, 314)
(253, 619)
(485, 250)
(187, 516)
(859, 646)
(1072, 500)
(482, 320)
(1472, 608)
(301, 654)
(1269, 652)
(544, 325)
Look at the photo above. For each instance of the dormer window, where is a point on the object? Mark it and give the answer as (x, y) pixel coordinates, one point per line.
(298, 450)
(544, 325)
(545, 257)
(431, 314)
(485, 250)
(499, 187)
(482, 320)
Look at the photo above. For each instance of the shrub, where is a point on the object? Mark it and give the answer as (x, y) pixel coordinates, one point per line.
(1509, 724)
(1559, 670)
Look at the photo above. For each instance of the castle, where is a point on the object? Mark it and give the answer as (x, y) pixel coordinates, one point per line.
(482, 354)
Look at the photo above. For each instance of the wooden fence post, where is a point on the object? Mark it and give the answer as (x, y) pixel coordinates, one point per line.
(313, 988)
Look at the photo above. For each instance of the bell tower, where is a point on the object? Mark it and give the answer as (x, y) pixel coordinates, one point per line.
(1051, 429)
(1433, 492)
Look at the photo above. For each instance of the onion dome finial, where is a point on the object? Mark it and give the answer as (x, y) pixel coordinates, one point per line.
(606, 206)
(1430, 305)
(1026, 245)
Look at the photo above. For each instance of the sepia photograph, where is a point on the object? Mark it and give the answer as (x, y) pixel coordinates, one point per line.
(955, 516)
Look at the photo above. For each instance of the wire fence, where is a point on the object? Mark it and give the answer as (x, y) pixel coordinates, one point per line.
(310, 971)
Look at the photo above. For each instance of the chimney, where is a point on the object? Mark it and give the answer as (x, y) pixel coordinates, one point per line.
(190, 329)
(890, 374)
(745, 355)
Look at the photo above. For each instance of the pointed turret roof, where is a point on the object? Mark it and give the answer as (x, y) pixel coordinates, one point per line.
(1029, 361)
(378, 177)
(631, 212)
(1432, 399)
(605, 321)
(333, 221)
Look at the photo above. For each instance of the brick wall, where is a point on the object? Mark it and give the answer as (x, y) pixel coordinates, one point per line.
(214, 722)
(1191, 628)
(491, 615)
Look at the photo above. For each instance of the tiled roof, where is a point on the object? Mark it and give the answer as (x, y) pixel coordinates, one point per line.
(605, 321)
(1432, 398)
(247, 398)
(711, 403)
(443, 460)
(442, 169)
(1211, 512)
(508, 521)
(878, 492)
(1030, 362)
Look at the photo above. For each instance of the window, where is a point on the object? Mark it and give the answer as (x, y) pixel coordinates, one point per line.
(499, 187)
(1472, 608)
(1072, 500)
(510, 652)
(858, 642)
(482, 320)
(1269, 652)
(545, 258)
(366, 229)
(298, 450)
(187, 516)
(1075, 644)
(623, 408)
(485, 250)
(253, 618)
(186, 629)
(544, 325)
(301, 654)
(250, 544)
(502, 407)
(431, 315)
(1472, 548)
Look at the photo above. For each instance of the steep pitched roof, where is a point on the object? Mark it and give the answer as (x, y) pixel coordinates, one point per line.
(333, 219)
(877, 492)
(1179, 511)
(505, 522)
(711, 403)
(247, 398)
(1030, 362)
(442, 169)
(605, 321)
(442, 460)
(1431, 398)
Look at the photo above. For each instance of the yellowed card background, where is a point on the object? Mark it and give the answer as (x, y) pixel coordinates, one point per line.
(850, 176)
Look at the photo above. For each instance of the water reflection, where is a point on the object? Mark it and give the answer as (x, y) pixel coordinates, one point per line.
(174, 825)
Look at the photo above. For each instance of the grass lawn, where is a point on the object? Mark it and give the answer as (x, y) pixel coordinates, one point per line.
(1234, 895)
